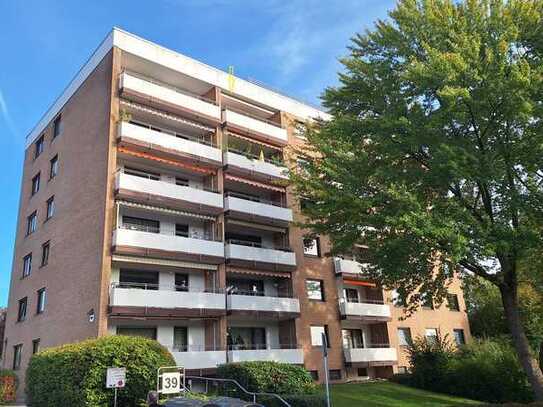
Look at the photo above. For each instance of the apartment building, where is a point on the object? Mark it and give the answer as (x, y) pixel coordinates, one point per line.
(154, 202)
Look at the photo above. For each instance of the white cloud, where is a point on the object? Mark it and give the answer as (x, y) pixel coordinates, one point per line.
(6, 115)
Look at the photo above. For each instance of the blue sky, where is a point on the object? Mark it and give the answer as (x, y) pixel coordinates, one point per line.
(292, 45)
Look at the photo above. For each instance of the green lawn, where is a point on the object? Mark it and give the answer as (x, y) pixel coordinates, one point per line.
(385, 394)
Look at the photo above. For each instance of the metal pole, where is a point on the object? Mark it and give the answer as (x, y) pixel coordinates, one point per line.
(326, 378)
(115, 402)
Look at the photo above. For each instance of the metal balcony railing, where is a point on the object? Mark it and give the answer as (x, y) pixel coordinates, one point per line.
(257, 245)
(254, 199)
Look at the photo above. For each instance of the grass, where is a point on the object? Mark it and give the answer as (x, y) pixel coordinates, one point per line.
(386, 394)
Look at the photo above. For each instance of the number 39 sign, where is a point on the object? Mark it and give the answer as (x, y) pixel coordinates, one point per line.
(171, 382)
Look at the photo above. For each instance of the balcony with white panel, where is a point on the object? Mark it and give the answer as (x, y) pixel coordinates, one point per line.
(147, 190)
(364, 310)
(344, 266)
(376, 355)
(148, 91)
(162, 141)
(256, 209)
(263, 305)
(256, 126)
(267, 353)
(254, 167)
(249, 254)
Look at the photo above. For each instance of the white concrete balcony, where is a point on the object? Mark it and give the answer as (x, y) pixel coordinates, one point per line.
(164, 142)
(244, 254)
(259, 127)
(152, 296)
(162, 245)
(146, 90)
(196, 358)
(294, 356)
(365, 310)
(256, 303)
(161, 192)
(254, 167)
(348, 266)
(370, 355)
(257, 210)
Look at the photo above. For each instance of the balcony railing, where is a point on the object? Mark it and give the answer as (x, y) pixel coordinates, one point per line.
(184, 197)
(258, 126)
(254, 302)
(375, 353)
(252, 254)
(348, 266)
(371, 309)
(172, 144)
(241, 207)
(168, 96)
(193, 357)
(251, 352)
(155, 296)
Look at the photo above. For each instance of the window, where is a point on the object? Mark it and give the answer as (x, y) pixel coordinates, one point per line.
(45, 253)
(452, 302)
(181, 282)
(27, 265)
(351, 294)
(334, 374)
(142, 173)
(39, 146)
(431, 334)
(143, 279)
(246, 338)
(315, 290)
(180, 339)
(35, 346)
(35, 184)
(352, 338)
(316, 335)
(17, 353)
(53, 170)
(314, 374)
(141, 224)
(57, 127)
(312, 247)
(41, 301)
(404, 336)
(181, 230)
(459, 337)
(31, 223)
(362, 372)
(181, 182)
(427, 301)
(21, 314)
(50, 207)
(246, 286)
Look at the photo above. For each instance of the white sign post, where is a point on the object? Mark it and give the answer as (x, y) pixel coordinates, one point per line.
(170, 380)
(115, 378)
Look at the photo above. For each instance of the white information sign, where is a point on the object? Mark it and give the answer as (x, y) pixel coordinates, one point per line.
(171, 382)
(116, 377)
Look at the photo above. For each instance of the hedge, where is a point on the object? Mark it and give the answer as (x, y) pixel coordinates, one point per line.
(75, 374)
(269, 377)
(8, 385)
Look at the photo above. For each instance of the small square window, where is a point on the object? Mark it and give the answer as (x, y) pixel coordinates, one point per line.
(41, 294)
(17, 355)
(35, 184)
(45, 248)
(315, 290)
(404, 336)
(312, 247)
(39, 146)
(452, 302)
(31, 223)
(50, 207)
(35, 345)
(316, 335)
(334, 374)
(53, 168)
(21, 313)
(58, 126)
(459, 337)
(431, 335)
(27, 265)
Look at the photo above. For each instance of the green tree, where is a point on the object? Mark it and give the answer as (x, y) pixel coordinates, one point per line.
(433, 154)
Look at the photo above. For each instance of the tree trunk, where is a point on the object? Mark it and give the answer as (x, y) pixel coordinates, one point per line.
(528, 362)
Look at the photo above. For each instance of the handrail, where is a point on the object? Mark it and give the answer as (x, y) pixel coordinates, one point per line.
(254, 156)
(172, 133)
(253, 116)
(165, 85)
(259, 294)
(254, 395)
(155, 287)
(205, 237)
(256, 200)
(121, 170)
(256, 245)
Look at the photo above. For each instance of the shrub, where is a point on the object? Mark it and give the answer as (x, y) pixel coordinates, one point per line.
(75, 374)
(269, 377)
(8, 385)
(486, 370)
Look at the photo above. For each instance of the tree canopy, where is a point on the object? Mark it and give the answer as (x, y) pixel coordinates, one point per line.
(433, 154)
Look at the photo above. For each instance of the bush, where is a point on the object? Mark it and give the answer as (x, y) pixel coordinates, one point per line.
(269, 377)
(8, 385)
(75, 374)
(487, 370)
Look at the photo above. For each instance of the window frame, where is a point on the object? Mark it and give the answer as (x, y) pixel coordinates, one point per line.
(22, 309)
(27, 260)
(53, 165)
(456, 307)
(35, 187)
(42, 300)
(36, 345)
(326, 334)
(409, 340)
(50, 208)
(463, 336)
(45, 252)
(321, 289)
(58, 126)
(31, 223)
(315, 246)
(39, 146)
(17, 356)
